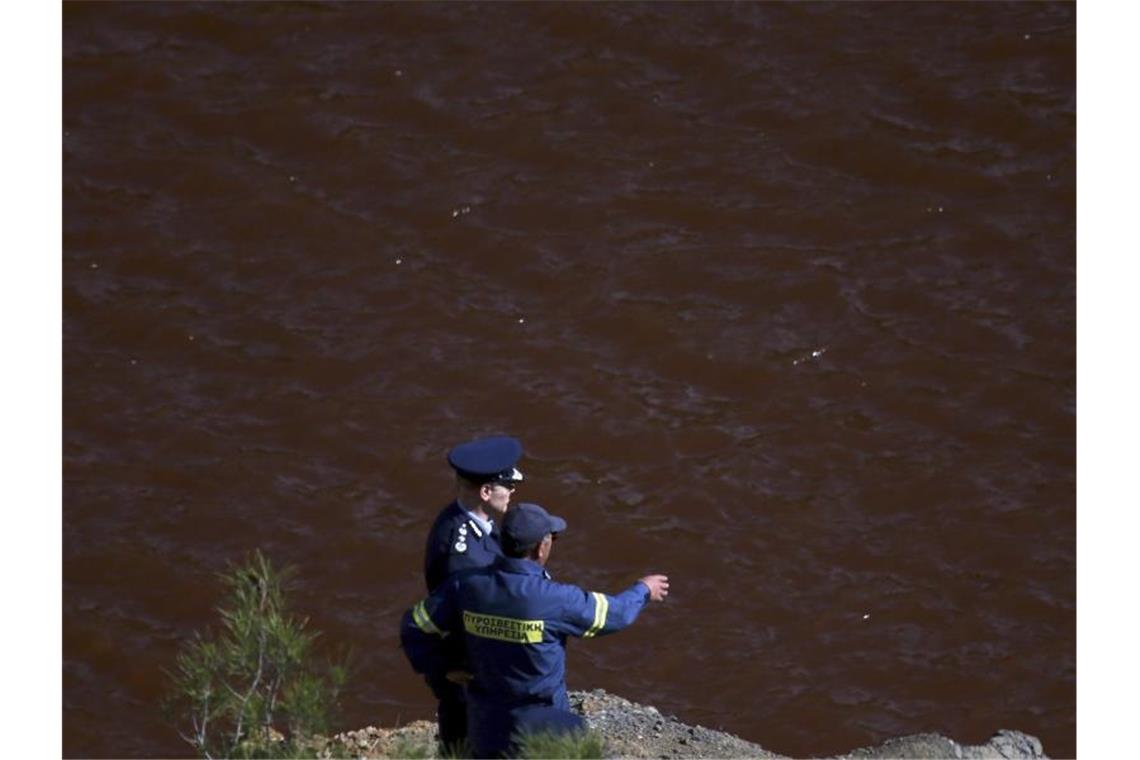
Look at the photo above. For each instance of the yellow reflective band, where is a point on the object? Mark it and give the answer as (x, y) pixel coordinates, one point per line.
(423, 620)
(503, 628)
(601, 609)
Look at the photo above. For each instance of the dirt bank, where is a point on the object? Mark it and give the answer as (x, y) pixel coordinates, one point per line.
(641, 731)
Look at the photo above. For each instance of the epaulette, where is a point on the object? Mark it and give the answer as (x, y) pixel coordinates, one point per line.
(460, 533)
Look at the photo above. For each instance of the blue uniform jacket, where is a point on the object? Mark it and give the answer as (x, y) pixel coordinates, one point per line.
(456, 542)
(513, 622)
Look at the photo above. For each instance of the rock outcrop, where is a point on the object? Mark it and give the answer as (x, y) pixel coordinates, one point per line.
(641, 731)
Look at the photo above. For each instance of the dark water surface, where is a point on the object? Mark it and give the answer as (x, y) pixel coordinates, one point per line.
(779, 297)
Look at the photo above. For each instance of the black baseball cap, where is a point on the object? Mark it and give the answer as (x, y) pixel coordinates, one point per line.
(526, 525)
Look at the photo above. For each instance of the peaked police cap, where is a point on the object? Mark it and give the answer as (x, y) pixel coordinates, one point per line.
(487, 459)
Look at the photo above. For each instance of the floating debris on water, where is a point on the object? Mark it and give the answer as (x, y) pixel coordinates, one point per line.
(813, 355)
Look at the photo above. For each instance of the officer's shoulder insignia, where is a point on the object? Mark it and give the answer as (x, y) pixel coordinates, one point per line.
(474, 527)
(460, 546)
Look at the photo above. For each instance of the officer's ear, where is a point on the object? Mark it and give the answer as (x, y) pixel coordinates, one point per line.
(543, 549)
(486, 490)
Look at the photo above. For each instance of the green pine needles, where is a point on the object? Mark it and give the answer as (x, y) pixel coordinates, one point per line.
(252, 690)
(582, 744)
(578, 745)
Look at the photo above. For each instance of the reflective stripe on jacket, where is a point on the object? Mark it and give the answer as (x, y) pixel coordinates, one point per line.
(514, 622)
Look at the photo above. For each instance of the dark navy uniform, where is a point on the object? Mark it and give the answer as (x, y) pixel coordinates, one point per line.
(456, 542)
(513, 622)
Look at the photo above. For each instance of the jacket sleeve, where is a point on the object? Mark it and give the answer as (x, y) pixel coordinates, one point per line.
(429, 634)
(592, 613)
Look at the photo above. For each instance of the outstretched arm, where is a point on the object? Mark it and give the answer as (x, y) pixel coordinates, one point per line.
(596, 614)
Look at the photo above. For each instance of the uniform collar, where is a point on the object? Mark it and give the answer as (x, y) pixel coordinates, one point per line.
(485, 525)
(521, 565)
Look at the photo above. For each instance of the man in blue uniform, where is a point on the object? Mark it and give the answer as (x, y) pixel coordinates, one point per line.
(464, 536)
(513, 622)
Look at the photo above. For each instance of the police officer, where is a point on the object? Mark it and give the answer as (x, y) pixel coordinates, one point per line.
(513, 622)
(464, 536)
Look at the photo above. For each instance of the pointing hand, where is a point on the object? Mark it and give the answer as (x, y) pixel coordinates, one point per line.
(658, 586)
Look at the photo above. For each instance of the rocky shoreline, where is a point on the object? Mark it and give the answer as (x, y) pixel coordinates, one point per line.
(641, 731)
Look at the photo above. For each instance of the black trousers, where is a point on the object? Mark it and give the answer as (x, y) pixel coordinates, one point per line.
(452, 711)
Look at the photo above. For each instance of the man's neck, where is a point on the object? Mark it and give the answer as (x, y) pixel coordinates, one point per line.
(476, 510)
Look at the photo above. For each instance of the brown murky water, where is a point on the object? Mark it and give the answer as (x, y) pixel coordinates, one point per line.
(779, 297)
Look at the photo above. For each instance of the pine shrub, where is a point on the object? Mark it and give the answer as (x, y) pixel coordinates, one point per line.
(252, 689)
